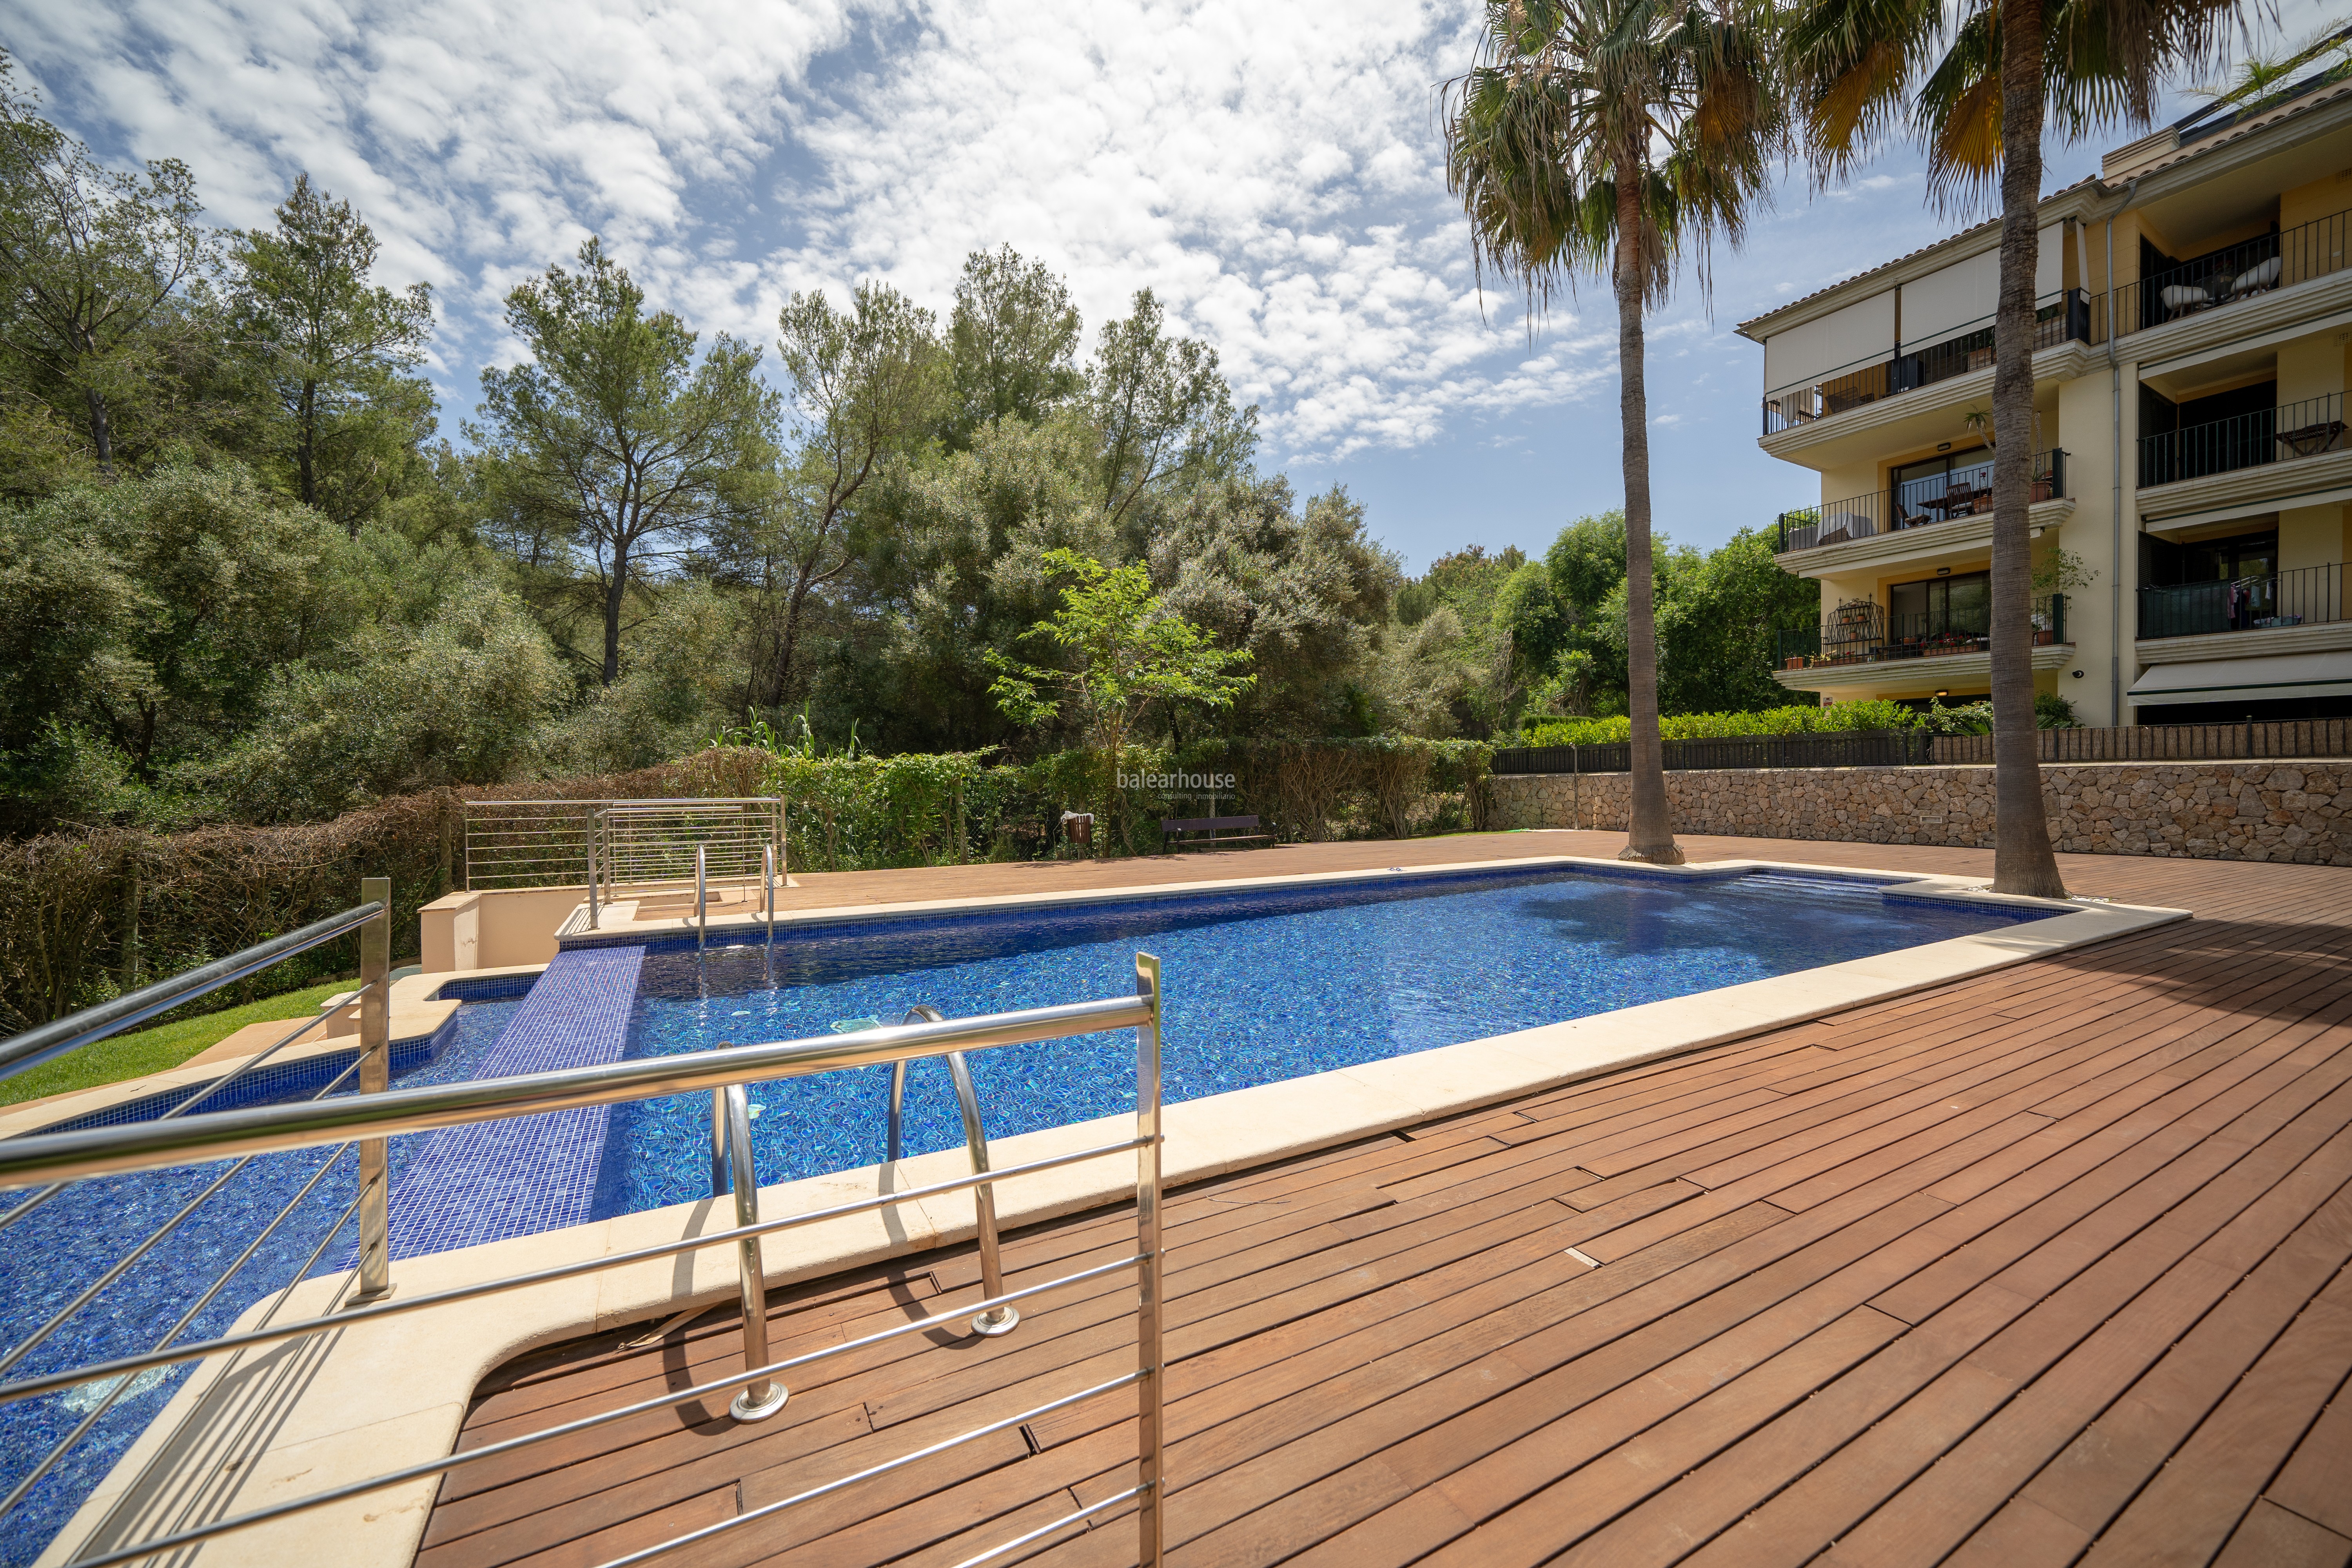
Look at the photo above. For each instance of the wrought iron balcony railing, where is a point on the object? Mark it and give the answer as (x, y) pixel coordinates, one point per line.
(1913, 503)
(2066, 316)
(1870, 634)
(2280, 434)
(2308, 595)
(2235, 274)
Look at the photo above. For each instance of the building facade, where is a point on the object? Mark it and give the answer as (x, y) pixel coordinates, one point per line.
(2191, 468)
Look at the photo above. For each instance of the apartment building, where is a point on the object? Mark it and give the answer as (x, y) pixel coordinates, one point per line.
(2193, 490)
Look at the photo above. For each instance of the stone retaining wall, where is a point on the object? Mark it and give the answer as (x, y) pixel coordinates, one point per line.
(2210, 811)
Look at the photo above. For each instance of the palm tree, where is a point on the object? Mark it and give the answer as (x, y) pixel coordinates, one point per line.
(1613, 137)
(1977, 82)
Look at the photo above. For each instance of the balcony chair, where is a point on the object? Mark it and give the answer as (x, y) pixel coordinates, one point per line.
(2256, 279)
(2181, 298)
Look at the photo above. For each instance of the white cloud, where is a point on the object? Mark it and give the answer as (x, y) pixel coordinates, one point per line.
(1274, 178)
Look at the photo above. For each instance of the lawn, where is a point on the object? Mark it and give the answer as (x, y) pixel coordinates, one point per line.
(152, 1050)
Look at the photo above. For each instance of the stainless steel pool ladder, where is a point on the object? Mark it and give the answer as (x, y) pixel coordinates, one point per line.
(732, 1167)
(1000, 1319)
(57, 1157)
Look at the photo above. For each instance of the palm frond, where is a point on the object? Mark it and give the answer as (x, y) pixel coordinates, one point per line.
(1569, 97)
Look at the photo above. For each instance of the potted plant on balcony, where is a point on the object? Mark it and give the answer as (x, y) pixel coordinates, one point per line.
(2061, 571)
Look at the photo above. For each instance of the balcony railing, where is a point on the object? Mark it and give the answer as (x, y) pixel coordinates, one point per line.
(2058, 318)
(2308, 595)
(1915, 503)
(2235, 274)
(2278, 435)
(1869, 634)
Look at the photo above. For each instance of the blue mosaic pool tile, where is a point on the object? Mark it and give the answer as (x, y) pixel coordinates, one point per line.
(265, 1084)
(488, 988)
(525, 1174)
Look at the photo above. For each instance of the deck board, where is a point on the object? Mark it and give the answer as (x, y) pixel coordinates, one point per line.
(2050, 1265)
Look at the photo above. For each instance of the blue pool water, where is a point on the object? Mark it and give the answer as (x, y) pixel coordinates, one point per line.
(52, 1255)
(1261, 986)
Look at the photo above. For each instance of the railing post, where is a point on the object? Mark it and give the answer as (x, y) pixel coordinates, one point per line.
(701, 895)
(1151, 1476)
(592, 911)
(376, 1077)
(768, 880)
(731, 1107)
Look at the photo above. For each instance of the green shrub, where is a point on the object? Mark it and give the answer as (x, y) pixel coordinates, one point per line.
(1794, 720)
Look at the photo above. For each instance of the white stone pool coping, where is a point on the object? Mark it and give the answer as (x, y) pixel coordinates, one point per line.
(248, 1431)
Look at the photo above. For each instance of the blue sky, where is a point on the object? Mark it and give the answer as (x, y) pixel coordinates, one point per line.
(1272, 171)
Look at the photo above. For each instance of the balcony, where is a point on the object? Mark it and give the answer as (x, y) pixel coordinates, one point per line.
(2233, 275)
(2061, 318)
(2309, 595)
(1918, 504)
(2285, 434)
(1862, 633)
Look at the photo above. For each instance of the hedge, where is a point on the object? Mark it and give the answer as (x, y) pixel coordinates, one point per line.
(86, 915)
(1795, 720)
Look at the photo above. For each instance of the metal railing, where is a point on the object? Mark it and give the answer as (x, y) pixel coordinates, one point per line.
(372, 920)
(2307, 595)
(1915, 503)
(2233, 274)
(976, 1138)
(611, 843)
(2279, 434)
(61, 1157)
(2169, 742)
(2068, 315)
(1884, 636)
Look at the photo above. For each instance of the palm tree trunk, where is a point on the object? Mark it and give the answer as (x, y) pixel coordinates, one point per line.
(1650, 830)
(2022, 861)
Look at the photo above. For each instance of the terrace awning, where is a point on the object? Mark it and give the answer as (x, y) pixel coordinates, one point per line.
(2250, 679)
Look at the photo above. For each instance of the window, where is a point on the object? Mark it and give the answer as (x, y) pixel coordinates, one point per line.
(1950, 486)
(1941, 608)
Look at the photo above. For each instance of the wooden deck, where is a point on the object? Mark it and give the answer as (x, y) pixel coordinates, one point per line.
(2044, 1266)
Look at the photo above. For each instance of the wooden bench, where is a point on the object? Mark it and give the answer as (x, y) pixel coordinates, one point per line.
(1221, 831)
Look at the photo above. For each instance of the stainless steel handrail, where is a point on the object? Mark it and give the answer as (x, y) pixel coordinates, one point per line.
(27, 1388)
(976, 1138)
(259, 1058)
(730, 1141)
(43, 1157)
(367, 1115)
(93, 1024)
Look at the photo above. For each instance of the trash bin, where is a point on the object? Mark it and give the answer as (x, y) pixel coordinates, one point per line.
(1079, 828)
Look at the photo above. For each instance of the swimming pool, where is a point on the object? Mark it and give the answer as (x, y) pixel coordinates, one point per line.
(1263, 983)
(53, 1254)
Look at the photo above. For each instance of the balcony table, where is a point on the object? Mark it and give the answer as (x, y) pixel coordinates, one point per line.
(2311, 440)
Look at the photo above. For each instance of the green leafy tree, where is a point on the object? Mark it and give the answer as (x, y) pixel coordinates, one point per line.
(865, 388)
(1126, 650)
(1013, 343)
(335, 350)
(612, 434)
(1978, 83)
(177, 594)
(1305, 589)
(1162, 409)
(1613, 136)
(1716, 617)
(462, 699)
(89, 257)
